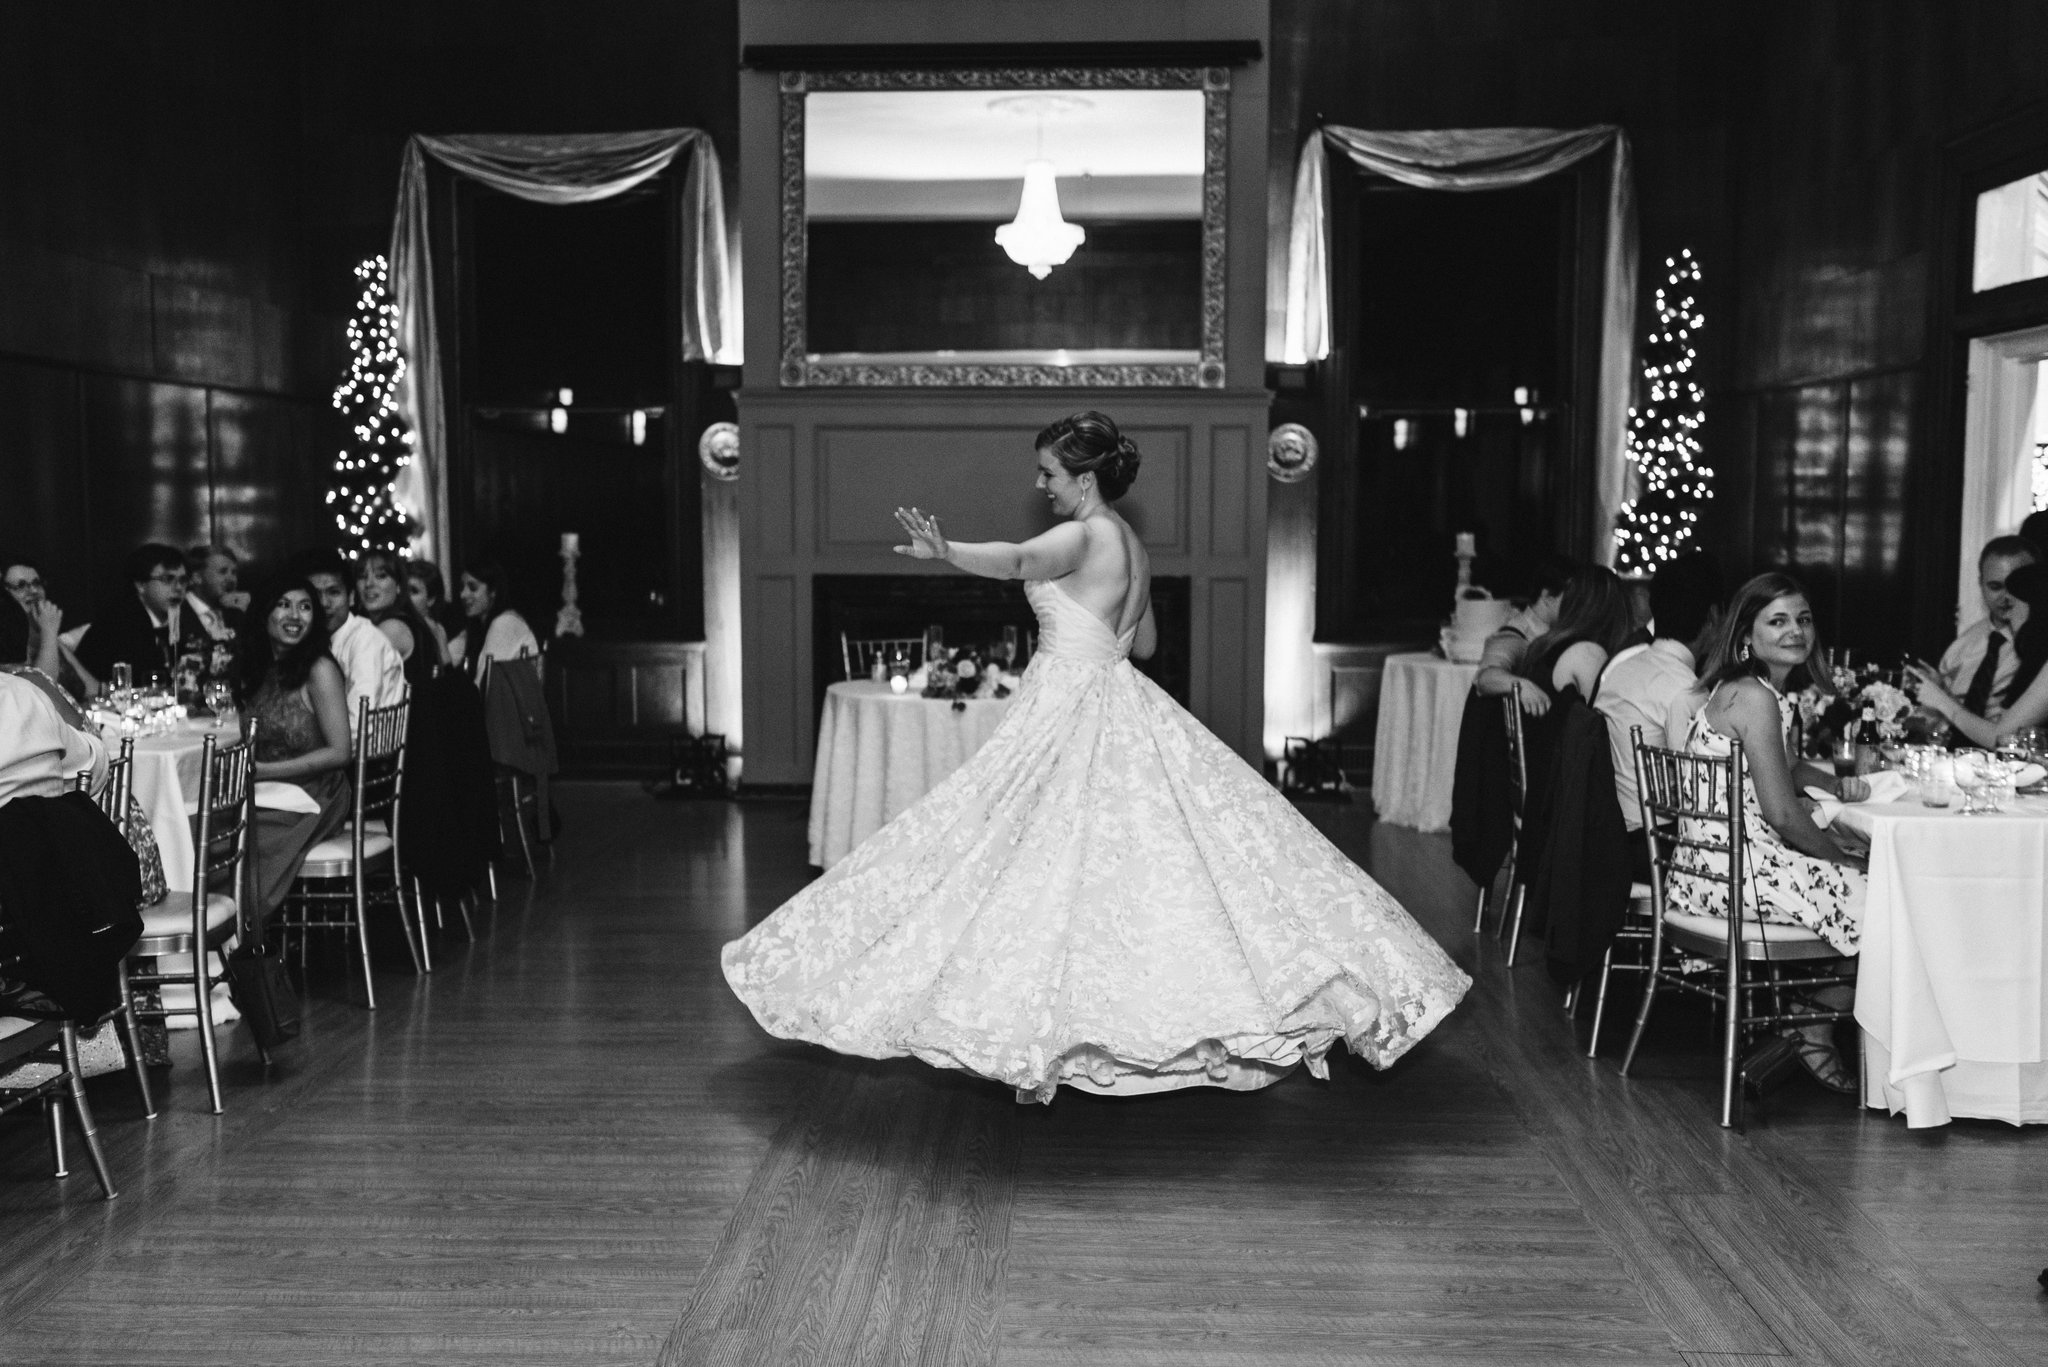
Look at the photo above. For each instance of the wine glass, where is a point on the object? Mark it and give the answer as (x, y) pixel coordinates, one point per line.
(934, 644)
(1006, 648)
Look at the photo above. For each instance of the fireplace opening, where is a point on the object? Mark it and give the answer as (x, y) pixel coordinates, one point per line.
(973, 611)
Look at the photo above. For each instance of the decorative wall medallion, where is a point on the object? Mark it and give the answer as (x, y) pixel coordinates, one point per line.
(1291, 452)
(799, 369)
(719, 450)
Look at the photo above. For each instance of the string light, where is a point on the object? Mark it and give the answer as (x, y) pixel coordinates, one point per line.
(364, 510)
(1661, 521)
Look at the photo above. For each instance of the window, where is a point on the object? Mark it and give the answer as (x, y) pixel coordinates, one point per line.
(2012, 233)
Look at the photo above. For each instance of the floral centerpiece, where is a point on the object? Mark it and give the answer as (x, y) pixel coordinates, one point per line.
(1858, 696)
(965, 672)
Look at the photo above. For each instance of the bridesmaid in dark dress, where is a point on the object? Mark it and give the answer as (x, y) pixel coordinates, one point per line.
(295, 694)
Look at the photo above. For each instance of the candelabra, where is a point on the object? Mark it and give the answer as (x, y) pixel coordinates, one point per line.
(569, 621)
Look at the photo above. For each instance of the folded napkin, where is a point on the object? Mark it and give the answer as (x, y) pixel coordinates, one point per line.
(284, 797)
(2027, 775)
(1886, 785)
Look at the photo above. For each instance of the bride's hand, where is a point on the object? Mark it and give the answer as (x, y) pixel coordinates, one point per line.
(927, 542)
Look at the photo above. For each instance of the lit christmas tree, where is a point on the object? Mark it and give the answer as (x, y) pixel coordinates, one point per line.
(1659, 523)
(363, 507)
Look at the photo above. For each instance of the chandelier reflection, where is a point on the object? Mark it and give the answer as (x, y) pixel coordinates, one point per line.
(1038, 238)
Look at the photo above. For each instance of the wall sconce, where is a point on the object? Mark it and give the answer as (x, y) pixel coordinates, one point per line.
(639, 427)
(1461, 420)
(1404, 433)
(558, 420)
(565, 397)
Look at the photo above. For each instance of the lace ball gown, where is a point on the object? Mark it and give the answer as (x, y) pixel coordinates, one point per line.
(1104, 896)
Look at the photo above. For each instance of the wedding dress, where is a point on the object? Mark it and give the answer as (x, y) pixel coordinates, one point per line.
(1104, 896)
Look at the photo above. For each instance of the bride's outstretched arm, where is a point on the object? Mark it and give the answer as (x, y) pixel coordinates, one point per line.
(1047, 556)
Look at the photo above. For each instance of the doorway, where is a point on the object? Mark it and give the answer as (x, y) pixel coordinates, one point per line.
(2005, 447)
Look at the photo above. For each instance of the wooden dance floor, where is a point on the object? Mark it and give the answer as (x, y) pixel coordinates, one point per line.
(572, 1145)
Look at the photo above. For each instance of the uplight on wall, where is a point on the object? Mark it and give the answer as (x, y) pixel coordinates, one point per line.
(1404, 433)
(558, 420)
(639, 427)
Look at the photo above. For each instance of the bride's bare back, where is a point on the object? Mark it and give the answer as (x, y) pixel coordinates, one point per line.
(1114, 578)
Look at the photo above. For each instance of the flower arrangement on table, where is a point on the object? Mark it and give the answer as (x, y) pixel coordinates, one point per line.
(965, 672)
(1861, 700)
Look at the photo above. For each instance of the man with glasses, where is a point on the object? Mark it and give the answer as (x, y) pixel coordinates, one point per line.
(148, 631)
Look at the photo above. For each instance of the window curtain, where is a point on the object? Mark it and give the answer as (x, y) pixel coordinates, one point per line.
(574, 168)
(1481, 159)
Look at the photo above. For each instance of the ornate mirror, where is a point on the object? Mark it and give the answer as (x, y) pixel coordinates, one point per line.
(1004, 227)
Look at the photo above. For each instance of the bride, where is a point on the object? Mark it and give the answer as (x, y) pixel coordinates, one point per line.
(1104, 895)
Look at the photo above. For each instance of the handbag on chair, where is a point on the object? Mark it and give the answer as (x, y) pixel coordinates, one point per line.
(257, 981)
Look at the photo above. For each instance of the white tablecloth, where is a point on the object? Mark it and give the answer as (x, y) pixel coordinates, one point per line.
(880, 751)
(167, 786)
(1952, 990)
(1415, 748)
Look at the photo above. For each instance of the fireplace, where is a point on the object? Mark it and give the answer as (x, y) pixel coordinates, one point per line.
(972, 610)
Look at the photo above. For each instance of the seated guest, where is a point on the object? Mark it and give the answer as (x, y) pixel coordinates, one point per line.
(290, 686)
(1642, 682)
(42, 751)
(495, 631)
(2023, 702)
(1505, 650)
(30, 639)
(381, 593)
(368, 663)
(428, 594)
(1593, 618)
(1797, 873)
(214, 597)
(1977, 668)
(147, 631)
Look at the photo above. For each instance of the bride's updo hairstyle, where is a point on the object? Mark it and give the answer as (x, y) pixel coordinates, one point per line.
(1089, 443)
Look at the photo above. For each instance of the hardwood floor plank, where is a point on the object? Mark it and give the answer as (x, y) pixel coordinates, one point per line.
(572, 1144)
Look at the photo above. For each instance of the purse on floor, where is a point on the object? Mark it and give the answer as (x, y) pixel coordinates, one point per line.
(262, 991)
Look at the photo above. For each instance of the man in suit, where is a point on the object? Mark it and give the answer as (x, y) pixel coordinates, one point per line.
(1980, 663)
(151, 630)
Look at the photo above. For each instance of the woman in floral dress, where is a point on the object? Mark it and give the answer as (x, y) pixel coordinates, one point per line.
(1798, 874)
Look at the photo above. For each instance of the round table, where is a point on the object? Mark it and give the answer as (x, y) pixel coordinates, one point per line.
(1415, 747)
(1952, 984)
(880, 751)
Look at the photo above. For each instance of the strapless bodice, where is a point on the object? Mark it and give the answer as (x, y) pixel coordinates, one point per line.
(1068, 631)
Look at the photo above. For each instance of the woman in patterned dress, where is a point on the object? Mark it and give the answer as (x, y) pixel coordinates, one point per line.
(1798, 874)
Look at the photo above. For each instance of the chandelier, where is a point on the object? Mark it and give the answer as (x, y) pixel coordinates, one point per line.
(1038, 238)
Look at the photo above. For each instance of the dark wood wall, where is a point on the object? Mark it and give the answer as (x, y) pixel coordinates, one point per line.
(160, 375)
(1835, 427)
(1657, 70)
(187, 191)
(1799, 148)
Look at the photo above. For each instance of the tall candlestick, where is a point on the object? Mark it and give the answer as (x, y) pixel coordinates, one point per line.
(569, 621)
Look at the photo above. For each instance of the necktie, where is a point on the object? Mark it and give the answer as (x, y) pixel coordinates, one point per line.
(1978, 696)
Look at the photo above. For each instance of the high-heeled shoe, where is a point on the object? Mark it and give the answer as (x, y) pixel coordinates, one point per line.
(1824, 1063)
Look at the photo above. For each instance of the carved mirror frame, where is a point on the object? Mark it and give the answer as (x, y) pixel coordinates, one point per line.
(800, 370)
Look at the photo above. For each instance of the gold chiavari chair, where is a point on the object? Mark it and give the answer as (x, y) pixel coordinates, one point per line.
(524, 791)
(345, 874)
(114, 797)
(1518, 794)
(200, 922)
(55, 1043)
(859, 655)
(1693, 803)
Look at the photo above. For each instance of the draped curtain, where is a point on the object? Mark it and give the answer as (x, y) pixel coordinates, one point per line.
(1481, 159)
(574, 168)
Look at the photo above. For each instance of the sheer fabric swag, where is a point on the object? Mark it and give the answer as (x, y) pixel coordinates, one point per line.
(1481, 159)
(575, 168)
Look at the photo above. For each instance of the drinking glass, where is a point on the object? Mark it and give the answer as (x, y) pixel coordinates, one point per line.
(1986, 781)
(124, 677)
(1842, 752)
(1006, 649)
(934, 644)
(220, 700)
